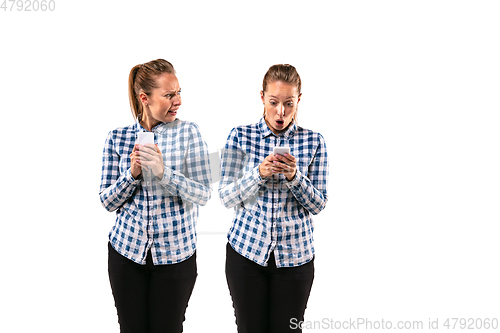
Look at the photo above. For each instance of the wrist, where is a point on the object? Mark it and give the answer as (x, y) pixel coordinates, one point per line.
(136, 175)
(260, 172)
(160, 176)
(291, 178)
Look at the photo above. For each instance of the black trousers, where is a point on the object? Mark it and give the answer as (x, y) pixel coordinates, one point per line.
(266, 299)
(150, 298)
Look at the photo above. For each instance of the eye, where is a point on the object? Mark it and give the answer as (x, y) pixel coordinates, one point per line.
(290, 104)
(169, 96)
(272, 103)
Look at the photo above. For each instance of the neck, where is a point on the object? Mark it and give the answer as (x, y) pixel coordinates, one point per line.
(148, 124)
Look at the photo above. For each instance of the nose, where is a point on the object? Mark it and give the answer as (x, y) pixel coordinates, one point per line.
(281, 110)
(177, 99)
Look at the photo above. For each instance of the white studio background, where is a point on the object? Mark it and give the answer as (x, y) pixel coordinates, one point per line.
(406, 94)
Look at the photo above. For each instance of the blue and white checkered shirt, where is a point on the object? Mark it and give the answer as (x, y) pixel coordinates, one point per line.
(273, 214)
(156, 214)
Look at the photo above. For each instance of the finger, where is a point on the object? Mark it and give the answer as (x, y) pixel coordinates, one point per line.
(134, 156)
(148, 146)
(283, 162)
(290, 157)
(272, 157)
(280, 166)
(152, 152)
(274, 166)
(136, 162)
(281, 159)
(148, 158)
(269, 166)
(287, 158)
(147, 150)
(147, 163)
(148, 154)
(286, 167)
(153, 158)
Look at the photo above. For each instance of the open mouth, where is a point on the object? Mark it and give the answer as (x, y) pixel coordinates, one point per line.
(280, 122)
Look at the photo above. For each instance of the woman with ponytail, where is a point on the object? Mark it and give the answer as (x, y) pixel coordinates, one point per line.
(270, 249)
(155, 190)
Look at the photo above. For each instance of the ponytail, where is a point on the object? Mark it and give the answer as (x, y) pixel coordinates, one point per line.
(135, 104)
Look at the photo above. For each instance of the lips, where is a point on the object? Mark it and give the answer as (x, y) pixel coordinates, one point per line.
(280, 122)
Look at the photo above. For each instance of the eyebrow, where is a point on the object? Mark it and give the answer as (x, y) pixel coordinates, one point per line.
(293, 96)
(172, 91)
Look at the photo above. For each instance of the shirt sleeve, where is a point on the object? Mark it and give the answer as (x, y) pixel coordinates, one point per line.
(195, 185)
(311, 191)
(235, 186)
(115, 188)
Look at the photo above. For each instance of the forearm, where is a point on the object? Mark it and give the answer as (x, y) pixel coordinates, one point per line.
(190, 190)
(114, 195)
(235, 191)
(307, 195)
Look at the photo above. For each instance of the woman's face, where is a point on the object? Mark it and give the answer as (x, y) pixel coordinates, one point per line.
(164, 101)
(280, 105)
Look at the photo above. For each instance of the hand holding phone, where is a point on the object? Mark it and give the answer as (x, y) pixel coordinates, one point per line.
(277, 162)
(146, 156)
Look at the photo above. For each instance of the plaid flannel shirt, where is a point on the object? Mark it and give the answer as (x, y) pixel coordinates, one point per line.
(156, 214)
(273, 214)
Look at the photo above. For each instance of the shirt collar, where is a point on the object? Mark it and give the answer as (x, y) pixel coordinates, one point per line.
(266, 131)
(160, 128)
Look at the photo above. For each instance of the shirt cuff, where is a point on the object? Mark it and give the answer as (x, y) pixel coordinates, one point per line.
(168, 175)
(256, 176)
(296, 180)
(130, 179)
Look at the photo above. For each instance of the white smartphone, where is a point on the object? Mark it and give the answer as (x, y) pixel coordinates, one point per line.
(281, 150)
(145, 138)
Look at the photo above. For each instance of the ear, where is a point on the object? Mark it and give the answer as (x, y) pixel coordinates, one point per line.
(262, 96)
(298, 100)
(143, 98)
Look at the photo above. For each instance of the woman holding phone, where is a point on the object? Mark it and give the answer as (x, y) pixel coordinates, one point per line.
(270, 250)
(155, 189)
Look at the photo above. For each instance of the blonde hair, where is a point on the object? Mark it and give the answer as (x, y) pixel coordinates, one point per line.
(285, 73)
(142, 78)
